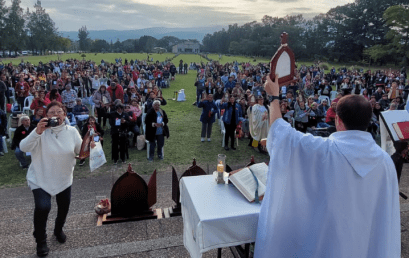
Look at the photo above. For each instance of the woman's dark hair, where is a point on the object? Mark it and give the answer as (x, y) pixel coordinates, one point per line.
(56, 103)
(53, 94)
(355, 111)
(92, 117)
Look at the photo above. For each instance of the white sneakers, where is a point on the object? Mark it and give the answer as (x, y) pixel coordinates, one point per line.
(202, 139)
(208, 139)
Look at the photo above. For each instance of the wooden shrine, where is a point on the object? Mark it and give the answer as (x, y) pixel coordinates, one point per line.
(283, 63)
(194, 170)
(131, 199)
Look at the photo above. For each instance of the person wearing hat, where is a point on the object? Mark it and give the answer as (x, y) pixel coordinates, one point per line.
(119, 122)
(102, 100)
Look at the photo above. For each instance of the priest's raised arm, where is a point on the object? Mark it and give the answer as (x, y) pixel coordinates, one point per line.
(328, 197)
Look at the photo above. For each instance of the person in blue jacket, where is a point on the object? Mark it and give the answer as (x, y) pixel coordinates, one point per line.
(230, 119)
(208, 116)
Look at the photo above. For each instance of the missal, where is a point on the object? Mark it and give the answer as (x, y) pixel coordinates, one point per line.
(402, 130)
(245, 180)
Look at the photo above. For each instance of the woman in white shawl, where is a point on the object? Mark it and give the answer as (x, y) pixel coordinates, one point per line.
(258, 121)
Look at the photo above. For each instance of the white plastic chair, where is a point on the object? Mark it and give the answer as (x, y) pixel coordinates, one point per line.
(223, 131)
(333, 94)
(27, 103)
(12, 94)
(4, 145)
(11, 133)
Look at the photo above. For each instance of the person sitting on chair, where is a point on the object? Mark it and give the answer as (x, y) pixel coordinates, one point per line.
(39, 114)
(80, 112)
(156, 122)
(21, 132)
(133, 126)
(40, 102)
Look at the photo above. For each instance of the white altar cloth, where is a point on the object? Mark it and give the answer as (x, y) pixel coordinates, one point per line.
(215, 215)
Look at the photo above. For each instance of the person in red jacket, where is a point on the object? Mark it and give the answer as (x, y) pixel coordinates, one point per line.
(331, 113)
(40, 102)
(116, 91)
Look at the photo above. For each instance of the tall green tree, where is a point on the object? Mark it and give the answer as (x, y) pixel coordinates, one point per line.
(396, 47)
(83, 38)
(3, 12)
(42, 33)
(14, 27)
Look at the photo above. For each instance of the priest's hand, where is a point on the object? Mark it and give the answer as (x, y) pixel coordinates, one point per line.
(272, 87)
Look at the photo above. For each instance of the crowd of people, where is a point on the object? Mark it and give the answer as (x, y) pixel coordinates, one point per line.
(121, 92)
(308, 103)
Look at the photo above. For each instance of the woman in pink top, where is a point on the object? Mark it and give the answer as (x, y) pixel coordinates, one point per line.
(135, 107)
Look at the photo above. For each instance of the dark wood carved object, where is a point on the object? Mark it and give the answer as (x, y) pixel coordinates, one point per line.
(283, 63)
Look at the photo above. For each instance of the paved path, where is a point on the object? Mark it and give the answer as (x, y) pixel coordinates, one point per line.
(153, 238)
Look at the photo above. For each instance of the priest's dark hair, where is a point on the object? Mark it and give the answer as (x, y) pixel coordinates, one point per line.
(355, 111)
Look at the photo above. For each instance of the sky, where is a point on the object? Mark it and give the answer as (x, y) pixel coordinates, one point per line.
(70, 15)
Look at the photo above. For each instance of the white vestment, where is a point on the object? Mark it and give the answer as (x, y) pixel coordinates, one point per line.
(258, 126)
(328, 197)
(386, 140)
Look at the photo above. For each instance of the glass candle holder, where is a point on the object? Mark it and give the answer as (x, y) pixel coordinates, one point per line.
(221, 167)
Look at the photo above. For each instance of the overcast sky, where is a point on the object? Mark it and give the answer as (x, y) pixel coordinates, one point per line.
(70, 15)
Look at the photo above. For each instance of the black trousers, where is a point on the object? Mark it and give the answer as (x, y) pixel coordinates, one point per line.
(119, 147)
(230, 130)
(42, 201)
(102, 115)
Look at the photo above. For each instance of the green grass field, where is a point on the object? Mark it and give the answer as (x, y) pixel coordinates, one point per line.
(182, 146)
(184, 143)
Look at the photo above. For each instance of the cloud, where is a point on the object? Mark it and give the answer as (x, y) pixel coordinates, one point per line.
(299, 9)
(285, 1)
(70, 15)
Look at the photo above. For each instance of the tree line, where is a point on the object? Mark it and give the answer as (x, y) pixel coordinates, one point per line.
(365, 30)
(143, 44)
(33, 31)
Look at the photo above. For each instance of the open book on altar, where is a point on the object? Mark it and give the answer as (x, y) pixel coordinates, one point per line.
(245, 180)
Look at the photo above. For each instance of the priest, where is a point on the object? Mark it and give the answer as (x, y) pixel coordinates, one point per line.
(328, 197)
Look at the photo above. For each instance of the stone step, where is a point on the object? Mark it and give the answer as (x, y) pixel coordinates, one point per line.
(82, 232)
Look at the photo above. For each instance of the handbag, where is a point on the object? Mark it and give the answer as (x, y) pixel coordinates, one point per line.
(96, 157)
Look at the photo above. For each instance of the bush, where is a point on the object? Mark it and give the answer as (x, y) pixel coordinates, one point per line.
(83, 55)
(124, 52)
(324, 66)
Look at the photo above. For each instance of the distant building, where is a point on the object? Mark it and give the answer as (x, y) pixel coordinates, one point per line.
(186, 47)
(159, 50)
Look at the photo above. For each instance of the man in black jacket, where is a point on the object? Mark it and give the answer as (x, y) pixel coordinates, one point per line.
(21, 132)
(156, 122)
(152, 97)
(119, 122)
